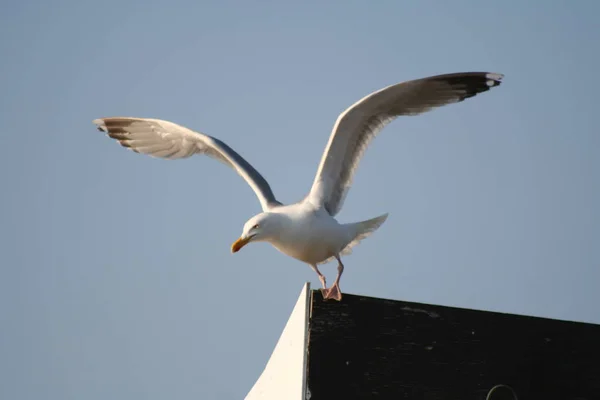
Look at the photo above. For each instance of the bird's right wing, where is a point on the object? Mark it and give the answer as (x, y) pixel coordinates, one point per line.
(168, 140)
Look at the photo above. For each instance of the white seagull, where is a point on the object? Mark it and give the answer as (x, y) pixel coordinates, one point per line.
(307, 230)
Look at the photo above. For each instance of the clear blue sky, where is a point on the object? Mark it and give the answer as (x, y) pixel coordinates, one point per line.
(117, 280)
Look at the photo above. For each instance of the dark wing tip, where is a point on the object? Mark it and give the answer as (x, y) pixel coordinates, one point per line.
(471, 83)
(100, 125)
(494, 78)
(115, 129)
(105, 124)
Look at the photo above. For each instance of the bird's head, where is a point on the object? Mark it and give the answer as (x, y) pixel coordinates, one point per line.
(259, 228)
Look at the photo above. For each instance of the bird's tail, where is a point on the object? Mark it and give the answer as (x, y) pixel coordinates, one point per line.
(364, 229)
(361, 230)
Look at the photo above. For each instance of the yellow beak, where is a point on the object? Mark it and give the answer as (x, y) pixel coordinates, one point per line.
(238, 244)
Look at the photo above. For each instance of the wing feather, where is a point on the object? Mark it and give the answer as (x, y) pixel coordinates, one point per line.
(361, 122)
(164, 139)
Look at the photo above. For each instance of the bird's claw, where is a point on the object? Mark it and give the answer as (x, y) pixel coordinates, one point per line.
(333, 292)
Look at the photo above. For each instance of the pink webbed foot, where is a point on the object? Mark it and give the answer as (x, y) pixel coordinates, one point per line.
(333, 292)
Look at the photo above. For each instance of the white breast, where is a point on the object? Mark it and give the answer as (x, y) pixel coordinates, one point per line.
(311, 235)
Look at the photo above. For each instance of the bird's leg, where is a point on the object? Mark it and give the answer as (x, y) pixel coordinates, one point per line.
(334, 292)
(321, 276)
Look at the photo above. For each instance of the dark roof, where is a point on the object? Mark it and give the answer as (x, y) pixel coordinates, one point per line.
(370, 348)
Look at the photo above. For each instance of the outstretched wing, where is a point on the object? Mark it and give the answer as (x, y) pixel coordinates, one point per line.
(362, 121)
(168, 140)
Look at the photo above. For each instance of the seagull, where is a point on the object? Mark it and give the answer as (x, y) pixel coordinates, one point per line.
(308, 230)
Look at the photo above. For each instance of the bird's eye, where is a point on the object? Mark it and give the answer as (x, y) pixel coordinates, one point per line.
(255, 226)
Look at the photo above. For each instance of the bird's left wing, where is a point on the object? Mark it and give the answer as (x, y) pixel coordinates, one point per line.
(362, 121)
(168, 140)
